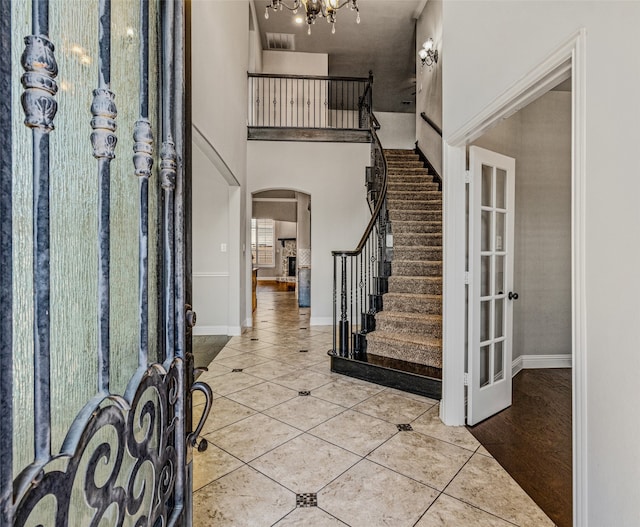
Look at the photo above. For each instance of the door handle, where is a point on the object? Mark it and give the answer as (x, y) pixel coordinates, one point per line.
(512, 295)
(192, 438)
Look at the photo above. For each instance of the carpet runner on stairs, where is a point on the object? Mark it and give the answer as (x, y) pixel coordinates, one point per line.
(409, 327)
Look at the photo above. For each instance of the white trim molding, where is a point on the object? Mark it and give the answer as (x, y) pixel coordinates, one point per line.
(212, 274)
(199, 331)
(531, 362)
(321, 321)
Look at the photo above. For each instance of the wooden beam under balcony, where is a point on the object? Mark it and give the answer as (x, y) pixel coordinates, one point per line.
(326, 135)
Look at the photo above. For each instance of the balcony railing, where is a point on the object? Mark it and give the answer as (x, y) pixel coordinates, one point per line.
(309, 102)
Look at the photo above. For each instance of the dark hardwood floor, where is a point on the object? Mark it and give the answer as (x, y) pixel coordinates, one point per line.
(532, 439)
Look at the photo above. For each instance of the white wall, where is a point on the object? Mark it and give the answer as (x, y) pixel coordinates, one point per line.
(397, 130)
(333, 174)
(220, 60)
(492, 44)
(210, 230)
(429, 84)
(539, 138)
(295, 63)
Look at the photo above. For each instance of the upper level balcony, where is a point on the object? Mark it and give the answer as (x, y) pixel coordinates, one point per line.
(309, 108)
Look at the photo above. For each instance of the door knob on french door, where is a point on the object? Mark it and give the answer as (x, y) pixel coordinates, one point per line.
(512, 295)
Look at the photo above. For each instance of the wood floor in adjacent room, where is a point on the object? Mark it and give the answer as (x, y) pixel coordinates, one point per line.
(532, 439)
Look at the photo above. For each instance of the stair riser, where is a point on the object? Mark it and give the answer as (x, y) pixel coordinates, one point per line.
(429, 254)
(404, 164)
(412, 195)
(400, 178)
(428, 307)
(393, 170)
(430, 329)
(428, 355)
(416, 268)
(415, 215)
(425, 186)
(416, 227)
(418, 240)
(403, 205)
(421, 287)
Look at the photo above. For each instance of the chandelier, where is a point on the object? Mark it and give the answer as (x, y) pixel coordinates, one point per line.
(315, 8)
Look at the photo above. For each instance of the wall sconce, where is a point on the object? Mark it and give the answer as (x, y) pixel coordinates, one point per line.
(427, 54)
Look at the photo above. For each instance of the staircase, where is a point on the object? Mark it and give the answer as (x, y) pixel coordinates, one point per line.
(409, 328)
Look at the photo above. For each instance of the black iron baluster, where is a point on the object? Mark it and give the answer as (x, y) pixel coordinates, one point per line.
(6, 271)
(143, 163)
(344, 322)
(342, 104)
(180, 196)
(335, 302)
(308, 103)
(103, 139)
(181, 314)
(168, 166)
(40, 108)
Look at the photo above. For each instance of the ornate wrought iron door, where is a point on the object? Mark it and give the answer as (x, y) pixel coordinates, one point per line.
(96, 374)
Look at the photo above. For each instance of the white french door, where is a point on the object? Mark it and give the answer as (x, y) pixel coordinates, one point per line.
(491, 295)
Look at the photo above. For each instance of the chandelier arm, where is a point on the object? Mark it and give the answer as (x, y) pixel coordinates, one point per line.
(276, 5)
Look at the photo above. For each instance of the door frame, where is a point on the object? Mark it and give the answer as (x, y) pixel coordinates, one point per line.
(567, 60)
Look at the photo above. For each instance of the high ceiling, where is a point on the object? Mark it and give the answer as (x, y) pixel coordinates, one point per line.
(383, 42)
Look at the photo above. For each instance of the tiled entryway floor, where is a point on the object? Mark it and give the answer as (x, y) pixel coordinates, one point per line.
(285, 432)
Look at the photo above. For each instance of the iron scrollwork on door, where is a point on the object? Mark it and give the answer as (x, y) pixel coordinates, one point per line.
(124, 463)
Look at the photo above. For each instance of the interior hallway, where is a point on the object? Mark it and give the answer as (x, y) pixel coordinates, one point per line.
(292, 444)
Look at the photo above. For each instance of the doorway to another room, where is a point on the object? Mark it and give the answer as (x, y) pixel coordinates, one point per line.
(532, 437)
(281, 245)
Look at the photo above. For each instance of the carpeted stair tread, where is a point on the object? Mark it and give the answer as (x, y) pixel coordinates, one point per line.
(413, 195)
(393, 185)
(420, 205)
(412, 303)
(416, 268)
(415, 215)
(408, 252)
(397, 163)
(425, 239)
(399, 171)
(409, 323)
(416, 227)
(406, 346)
(426, 285)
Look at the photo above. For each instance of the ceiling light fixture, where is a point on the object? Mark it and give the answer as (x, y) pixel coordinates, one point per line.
(427, 54)
(315, 8)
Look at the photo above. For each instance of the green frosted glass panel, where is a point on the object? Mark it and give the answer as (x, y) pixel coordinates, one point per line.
(74, 215)
(125, 200)
(22, 252)
(74, 207)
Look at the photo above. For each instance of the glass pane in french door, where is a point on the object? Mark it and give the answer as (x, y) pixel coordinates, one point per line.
(493, 251)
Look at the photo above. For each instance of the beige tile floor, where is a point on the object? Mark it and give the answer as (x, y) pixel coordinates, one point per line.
(268, 443)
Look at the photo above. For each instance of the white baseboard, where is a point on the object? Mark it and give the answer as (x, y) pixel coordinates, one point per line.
(530, 362)
(230, 331)
(210, 330)
(267, 279)
(321, 321)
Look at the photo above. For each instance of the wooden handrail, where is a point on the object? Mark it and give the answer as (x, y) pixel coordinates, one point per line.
(381, 200)
(311, 77)
(430, 122)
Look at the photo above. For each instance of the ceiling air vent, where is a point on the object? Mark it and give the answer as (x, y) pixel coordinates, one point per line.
(281, 41)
